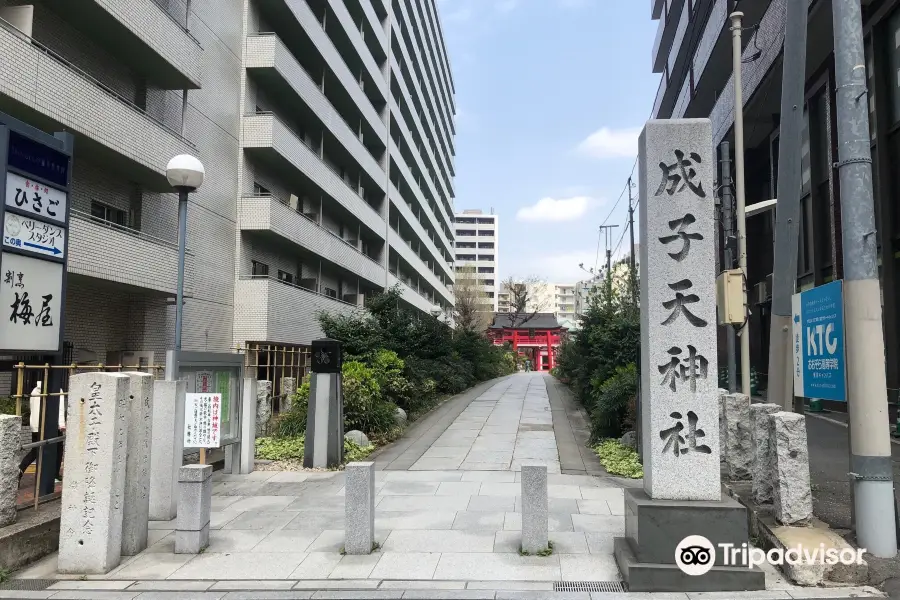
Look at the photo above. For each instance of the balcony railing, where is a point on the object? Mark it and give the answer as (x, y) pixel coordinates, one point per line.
(80, 214)
(298, 287)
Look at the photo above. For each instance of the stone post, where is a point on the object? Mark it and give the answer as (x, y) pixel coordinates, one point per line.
(137, 464)
(167, 450)
(723, 426)
(248, 426)
(738, 450)
(535, 509)
(359, 506)
(763, 470)
(194, 505)
(10, 448)
(325, 415)
(288, 389)
(90, 528)
(263, 406)
(790, 455)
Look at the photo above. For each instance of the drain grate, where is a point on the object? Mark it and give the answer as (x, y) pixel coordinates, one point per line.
(588, 586)
(31, 585)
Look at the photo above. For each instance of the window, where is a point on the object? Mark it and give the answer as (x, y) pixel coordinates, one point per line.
(486, 245)
(259, 190)
(488, 282)
(485, 221)
(485, 269)
(465, 257)
(486, 233)
(465, 220)
(465, 245)
(104, 212)
(465, 232)
(488, 257)
(259, 269)
(285, 276)
(331, 292)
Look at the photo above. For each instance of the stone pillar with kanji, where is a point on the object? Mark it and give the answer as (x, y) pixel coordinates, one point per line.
(682, 498)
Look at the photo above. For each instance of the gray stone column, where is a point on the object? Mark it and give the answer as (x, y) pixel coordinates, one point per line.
(325, 416)
(288, 389)
(790, 454)
(90, 529)
(738, 450)
(723, 426)
(248, 426)
(167, 450)
(359, 506)
(535, 509)
(194, 506)
(763, 470)
(263, 406)
(137, 464)
(10, 448)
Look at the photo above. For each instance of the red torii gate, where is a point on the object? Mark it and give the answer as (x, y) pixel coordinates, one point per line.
(541, 331)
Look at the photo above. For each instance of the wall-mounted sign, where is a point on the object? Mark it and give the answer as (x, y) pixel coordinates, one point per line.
(202, 420)
(30, 302)
(818, 344)
(37, 198)
(32, 235)
(326, 356)
(40, 160)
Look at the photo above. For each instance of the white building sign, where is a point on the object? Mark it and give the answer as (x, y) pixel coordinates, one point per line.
(30, 301)
(37, 198)
(26, 233)
(202, 419)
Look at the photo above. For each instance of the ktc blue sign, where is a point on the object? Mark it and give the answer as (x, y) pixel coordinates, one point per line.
(818, 343)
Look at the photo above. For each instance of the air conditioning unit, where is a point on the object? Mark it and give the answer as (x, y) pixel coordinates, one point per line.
(294, 202)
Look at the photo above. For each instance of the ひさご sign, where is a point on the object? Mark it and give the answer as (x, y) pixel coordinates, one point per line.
(202, 420)
(818, 343)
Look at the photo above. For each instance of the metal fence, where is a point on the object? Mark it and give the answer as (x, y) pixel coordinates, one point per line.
(275, 363)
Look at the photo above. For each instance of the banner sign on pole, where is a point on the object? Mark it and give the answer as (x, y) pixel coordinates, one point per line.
(818, 343)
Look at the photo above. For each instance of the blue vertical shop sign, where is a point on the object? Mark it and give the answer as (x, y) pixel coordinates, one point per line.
(818, 343)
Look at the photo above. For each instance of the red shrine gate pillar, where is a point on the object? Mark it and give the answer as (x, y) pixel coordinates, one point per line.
(549, 350)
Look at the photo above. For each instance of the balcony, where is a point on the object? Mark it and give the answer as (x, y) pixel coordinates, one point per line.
(267, 215)
(142, 34)
(411, 296)
(407, 212)
(665, 33)
(272, 64)
(278, 312)
(439, 223)
(415, 261)
(269, 140)
(129, 258)
(359, 47)
(45, 90)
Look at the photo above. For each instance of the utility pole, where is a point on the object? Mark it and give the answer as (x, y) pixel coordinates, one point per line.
(728, 242)
(787, 216)
(607, 228)
(631, 235)
(870, 442)
(736, 51)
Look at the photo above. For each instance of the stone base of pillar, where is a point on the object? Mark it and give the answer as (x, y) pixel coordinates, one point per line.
(653, 530)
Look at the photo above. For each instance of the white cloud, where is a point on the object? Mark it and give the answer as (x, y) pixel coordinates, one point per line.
(505, 6)
(563, 267)
(556, 209)
(611, 143)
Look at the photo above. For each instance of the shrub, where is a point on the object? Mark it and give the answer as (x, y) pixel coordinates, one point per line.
(292, 423)
(611, 399)
(364, 407)
(269, 448)
(389, 372)
(354, 452)
(619, 460)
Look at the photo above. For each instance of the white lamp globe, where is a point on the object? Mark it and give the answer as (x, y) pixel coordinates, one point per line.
(185, 172)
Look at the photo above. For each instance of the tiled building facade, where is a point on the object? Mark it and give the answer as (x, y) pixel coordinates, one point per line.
(477, 240)
(693, 55)
(326, 131)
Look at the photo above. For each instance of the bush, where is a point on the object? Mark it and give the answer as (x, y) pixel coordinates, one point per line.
(364, 407)
(270, 448)
(292, 423)
(354, 452)
(619, 460)
(610, 403)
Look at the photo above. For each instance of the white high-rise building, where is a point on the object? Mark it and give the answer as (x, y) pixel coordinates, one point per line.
(477, 248)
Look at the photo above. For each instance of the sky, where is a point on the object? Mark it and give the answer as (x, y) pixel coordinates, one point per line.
(550, 98)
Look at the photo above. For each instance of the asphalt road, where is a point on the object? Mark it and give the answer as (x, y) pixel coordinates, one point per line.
(829, 463)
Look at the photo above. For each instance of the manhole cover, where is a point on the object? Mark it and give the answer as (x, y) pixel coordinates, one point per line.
(588, 586)
(34, 585)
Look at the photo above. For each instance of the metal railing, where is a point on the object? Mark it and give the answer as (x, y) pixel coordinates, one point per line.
(275, 363)
(182, 26)
(85, 216)
(300, 287)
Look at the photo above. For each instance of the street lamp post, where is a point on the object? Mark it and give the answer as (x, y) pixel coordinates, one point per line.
(185, 173)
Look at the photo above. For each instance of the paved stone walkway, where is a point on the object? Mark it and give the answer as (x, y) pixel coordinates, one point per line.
(448, 515)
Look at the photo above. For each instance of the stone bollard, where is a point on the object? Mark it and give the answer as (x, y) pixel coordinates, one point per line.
(194, 505)
(738, 452)
(248, 427)
(790, 456)
(763, 470)
(90, 526)
(288, 389)
(10, 448)
(359, 506)
(723, 427)
(136, 512)
(263, 406)
(167, 450)
(535, 509)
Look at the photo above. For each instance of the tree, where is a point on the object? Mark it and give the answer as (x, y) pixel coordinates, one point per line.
(471, 312)
(527, 297)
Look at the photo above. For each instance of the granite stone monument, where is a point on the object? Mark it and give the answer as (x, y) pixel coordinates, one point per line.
(359, 508)
(738, 441)
(137, 464)
(535, 509)
(763, 469)
(167, 451)
(90, 528)
(10, 447)
(790, 457)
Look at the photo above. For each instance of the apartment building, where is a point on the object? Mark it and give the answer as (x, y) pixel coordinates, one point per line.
(326, 130)
(478, 252)
(693, 55)
(564, 303)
